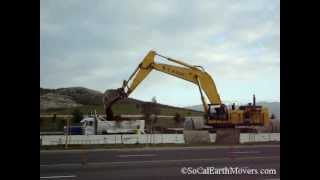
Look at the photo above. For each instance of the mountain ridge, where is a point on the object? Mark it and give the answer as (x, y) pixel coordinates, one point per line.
(52, 100)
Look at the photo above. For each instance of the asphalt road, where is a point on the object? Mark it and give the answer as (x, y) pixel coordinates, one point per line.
(246, 162)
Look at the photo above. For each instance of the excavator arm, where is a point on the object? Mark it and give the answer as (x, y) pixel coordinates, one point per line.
(193, 74)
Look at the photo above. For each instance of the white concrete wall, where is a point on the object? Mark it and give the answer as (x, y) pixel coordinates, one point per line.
(212, 137)
(113, 139)
(146, 138)
(260, 137)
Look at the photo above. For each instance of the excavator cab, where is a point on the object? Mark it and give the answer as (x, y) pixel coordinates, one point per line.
(217, 112)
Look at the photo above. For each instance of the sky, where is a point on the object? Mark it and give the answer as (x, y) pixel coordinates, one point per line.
(97, 44)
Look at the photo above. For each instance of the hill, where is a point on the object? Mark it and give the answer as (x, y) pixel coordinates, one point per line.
(65, 100)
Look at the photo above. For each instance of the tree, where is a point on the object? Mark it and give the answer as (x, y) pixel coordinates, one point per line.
(154, 100)
(178, 118)
(77, 116)
(54, 117)
(148, 109)
(155, 110)
(54, 122)
(155, 106)
(60, 125)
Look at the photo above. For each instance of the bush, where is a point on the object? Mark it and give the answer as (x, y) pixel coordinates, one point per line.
(54, 117)
(178, 118)
(77, 116)
(60, 125)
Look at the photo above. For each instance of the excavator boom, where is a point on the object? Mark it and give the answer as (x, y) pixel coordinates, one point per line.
(193, 74)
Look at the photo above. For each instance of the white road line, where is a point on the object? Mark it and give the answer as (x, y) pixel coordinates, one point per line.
(57, 177)
(246, 152)
(136, 155)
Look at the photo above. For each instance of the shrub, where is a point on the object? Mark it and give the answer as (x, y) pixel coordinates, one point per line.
(77, 116)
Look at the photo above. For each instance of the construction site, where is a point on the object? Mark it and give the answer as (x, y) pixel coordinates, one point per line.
(159, 90)
(157, 140)
(227, 122)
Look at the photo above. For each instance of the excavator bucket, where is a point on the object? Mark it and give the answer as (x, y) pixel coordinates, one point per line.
(110, 97)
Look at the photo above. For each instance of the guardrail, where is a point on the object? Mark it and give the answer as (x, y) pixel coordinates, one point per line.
(145, 138)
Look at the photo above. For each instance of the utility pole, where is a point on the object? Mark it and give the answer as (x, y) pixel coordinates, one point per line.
(151, 131)
(67, 134)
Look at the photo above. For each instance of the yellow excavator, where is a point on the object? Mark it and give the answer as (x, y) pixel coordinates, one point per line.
(218, 115)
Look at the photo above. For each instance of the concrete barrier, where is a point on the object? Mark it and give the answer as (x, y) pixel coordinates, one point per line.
(228, 136)
(146, 138)
(113, 139)
(196, 137)
(259, 137)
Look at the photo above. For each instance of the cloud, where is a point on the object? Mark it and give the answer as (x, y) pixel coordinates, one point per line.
(98, 44)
